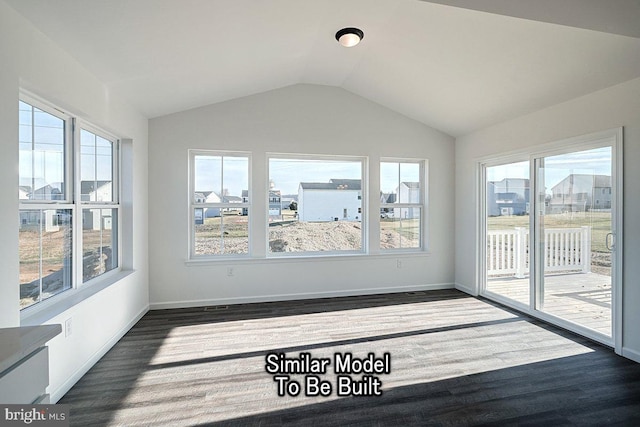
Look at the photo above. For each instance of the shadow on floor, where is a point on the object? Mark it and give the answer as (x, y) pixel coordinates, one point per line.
(590, 389)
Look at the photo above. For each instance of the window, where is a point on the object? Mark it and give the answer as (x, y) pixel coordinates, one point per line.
(99, 204)
(311, 205)
(401, 204)
(50, 193)
(45, 249)
(45, 237)
(328, 195)
(220, 205)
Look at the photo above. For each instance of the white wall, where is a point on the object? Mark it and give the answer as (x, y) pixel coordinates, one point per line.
(296, 119)
(30, 60)
(606, 109)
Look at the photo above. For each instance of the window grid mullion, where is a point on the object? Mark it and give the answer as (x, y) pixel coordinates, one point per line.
(40, 254)
(33, 147)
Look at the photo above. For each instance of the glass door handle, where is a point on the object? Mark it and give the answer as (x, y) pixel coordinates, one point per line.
(608, 241)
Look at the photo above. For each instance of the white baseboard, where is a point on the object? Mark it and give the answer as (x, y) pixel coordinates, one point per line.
(297, 296)
(466, 289)
(631, 354)
(56, 395)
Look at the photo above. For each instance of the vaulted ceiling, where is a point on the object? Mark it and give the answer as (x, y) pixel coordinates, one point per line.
(442, 63)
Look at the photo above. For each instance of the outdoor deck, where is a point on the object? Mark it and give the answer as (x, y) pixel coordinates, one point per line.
(582, 298)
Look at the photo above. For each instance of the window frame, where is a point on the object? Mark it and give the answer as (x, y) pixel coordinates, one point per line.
(192, 205)
(362, 198)
(116, 161)
(73, 202)
(421, 205)
(68, 148)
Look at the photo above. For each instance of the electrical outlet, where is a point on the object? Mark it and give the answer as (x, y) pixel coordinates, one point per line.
(67, 327)
(398, 263)
(229, 271)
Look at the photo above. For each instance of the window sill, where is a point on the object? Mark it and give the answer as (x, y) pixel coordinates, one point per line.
(44, 311)
(305, 258)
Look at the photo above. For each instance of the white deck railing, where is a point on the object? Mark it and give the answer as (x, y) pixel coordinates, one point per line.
(565, 249)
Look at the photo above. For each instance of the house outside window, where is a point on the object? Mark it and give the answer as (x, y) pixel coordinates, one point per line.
(327, 192)
(402, 204)
(99, 199)
(220, 205)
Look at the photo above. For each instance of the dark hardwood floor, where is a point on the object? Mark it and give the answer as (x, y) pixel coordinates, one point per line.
(455, 360)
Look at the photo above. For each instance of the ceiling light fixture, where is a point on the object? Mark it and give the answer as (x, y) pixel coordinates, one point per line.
(349, 37)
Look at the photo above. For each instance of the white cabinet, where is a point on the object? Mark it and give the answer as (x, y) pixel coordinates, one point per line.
(24, 363)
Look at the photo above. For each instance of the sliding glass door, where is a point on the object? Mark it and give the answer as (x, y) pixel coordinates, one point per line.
(549, 225)
(507, 231)
(575, 237)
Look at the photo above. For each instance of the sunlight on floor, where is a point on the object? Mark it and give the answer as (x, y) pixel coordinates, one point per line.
(224, 362)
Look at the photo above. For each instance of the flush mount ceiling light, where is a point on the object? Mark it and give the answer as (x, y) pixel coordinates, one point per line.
(349, 37)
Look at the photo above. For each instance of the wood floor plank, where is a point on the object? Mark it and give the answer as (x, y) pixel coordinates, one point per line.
(455, 360)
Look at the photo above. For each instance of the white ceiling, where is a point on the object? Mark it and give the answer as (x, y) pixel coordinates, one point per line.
(452, 68)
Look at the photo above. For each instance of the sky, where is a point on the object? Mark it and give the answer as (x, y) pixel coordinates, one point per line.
(215, 173)
(556, 168)
(41, 137)
(285, 175)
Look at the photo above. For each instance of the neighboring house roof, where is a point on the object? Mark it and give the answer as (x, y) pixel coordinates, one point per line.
(232, 199)
(23, 192)
(602, 181)
(333, 184)
(213, 197)
(349, 183)
(410, 184)
(47, 190)
(598, 181)
(525, 181)
(245, 193)
(87, 187)
(388, 197)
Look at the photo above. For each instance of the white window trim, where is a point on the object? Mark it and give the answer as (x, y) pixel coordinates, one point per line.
(259, 212)
(43, 310)
(192, 205)
(422, 204)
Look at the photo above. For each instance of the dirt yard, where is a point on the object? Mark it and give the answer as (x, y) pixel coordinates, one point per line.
(316, 237)
(293, 236)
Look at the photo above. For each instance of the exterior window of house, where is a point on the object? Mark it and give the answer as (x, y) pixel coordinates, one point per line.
(46, 209)
(327, 192)
(401, 204)
(51, 212)
(99, 200)
(220, 205)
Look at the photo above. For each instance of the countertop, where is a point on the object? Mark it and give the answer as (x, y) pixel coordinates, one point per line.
(16, 343)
